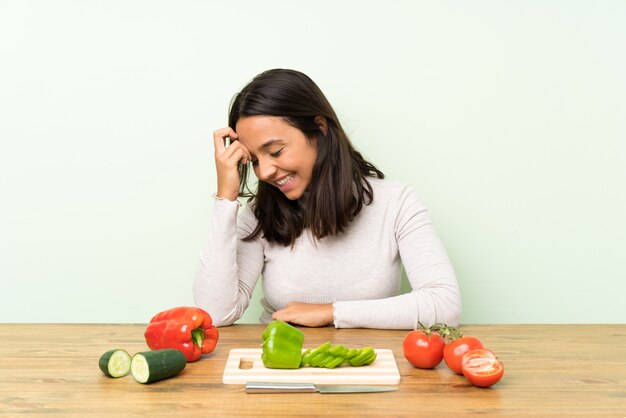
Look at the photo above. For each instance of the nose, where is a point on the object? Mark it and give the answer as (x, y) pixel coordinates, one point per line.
(264, 169)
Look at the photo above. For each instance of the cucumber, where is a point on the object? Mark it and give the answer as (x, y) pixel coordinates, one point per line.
(115, 363)
(150, 366)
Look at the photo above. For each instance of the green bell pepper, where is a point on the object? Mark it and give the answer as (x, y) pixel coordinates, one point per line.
(282, 346)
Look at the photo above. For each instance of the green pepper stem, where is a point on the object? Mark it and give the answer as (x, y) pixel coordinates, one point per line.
(197, 335)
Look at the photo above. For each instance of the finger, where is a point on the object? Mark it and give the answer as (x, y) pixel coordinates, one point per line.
(219, 137)
(281, 315)
(238, 145)
(234, 150)
(240, 150)
(246, 150)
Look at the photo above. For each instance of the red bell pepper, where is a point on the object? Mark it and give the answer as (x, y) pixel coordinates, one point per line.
(188, 329)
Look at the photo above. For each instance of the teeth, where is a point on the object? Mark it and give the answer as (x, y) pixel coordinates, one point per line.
(285, 180)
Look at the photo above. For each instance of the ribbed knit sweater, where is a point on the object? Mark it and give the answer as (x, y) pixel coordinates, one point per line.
(358, 270)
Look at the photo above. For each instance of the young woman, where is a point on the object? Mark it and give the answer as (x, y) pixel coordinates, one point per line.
(327, 233)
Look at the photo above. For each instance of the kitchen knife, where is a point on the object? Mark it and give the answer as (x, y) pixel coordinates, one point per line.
(279, 387)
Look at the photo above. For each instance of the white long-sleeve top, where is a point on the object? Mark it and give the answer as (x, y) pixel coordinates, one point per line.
(358, 270)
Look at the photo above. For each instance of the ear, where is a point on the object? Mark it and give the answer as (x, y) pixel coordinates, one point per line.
(322, 124)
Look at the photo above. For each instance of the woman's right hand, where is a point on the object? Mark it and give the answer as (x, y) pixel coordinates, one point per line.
(227, 161)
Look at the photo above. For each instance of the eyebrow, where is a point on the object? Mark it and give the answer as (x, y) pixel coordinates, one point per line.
(270, 143)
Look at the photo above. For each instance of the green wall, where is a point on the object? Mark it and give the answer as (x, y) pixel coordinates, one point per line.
(507, 117)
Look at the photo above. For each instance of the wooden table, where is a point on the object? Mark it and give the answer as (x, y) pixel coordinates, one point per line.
(550, 370)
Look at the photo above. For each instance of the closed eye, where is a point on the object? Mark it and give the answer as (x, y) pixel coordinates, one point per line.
(276, 153)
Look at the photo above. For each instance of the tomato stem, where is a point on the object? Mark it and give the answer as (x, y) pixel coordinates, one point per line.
(446, 332)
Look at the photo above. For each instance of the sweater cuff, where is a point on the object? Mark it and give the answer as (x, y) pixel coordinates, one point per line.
(223, 199)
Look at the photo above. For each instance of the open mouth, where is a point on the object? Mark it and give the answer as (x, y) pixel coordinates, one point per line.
(285, 180)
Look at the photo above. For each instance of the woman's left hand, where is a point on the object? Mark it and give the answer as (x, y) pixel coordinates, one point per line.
(307, 314)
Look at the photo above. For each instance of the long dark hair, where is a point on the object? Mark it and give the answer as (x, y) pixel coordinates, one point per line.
(338, 188)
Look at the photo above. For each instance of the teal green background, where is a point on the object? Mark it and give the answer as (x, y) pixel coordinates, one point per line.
(507, 117)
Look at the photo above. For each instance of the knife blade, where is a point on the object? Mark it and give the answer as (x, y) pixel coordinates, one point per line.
(281, 387)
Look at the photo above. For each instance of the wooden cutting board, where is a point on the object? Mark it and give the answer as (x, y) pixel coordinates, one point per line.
(383, 371)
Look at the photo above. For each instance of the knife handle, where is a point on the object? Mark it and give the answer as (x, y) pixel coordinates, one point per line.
(279, 387)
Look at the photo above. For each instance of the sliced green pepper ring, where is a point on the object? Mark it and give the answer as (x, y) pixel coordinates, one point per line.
(336, 362)
(338, 350)
(367, 354)
(319, 350)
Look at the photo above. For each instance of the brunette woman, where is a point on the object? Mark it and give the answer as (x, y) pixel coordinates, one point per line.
(325, 230)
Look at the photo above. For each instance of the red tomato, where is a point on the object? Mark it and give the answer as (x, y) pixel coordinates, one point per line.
(423, 349)
(481, 367)
(453, 351)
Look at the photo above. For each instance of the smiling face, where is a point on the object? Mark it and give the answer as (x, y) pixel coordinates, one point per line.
(281, 154)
